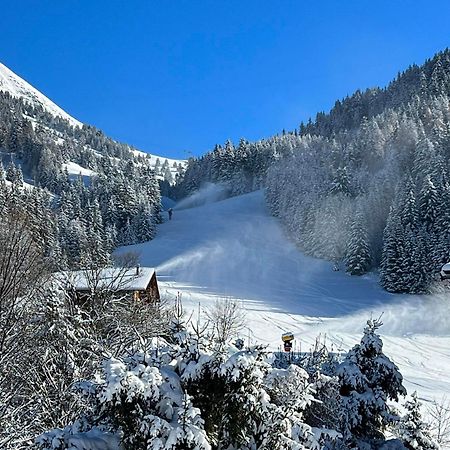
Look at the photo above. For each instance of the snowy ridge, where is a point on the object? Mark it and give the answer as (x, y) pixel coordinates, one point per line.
(156, 160)
(153, 158)
(17, 87)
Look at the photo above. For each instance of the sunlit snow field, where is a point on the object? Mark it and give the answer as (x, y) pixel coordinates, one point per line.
(234, 248)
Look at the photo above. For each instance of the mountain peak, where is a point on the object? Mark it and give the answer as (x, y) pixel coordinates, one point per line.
(19, 88)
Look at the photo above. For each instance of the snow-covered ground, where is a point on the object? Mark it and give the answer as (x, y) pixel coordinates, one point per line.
(76, 169)
(234, 248)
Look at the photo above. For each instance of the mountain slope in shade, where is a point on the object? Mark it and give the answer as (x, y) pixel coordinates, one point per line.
(17, 87)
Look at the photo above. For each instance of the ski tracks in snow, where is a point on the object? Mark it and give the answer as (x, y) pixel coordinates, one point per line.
(234, 248)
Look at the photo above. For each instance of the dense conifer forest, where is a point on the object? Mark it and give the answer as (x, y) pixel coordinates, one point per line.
(119, 205)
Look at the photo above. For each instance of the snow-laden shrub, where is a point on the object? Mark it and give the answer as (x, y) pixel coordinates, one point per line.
(246, 403)
(189, 393)
(141, 405)
(414, 433)
(368, 379)
(75, 437)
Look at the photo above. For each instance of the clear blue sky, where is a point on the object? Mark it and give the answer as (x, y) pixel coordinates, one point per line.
(173, 76)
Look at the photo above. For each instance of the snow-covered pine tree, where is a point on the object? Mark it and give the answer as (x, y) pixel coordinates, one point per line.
(412, 430)
(391, 259)
(358, 254)
(368, 380)
(415, 271)
(341, 183)
(441, 247)
(128, 235)
(424, 152)
(409, 213)
(429, 203)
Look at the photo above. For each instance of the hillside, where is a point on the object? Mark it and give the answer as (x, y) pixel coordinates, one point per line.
(365, 186)
(233, 248)
(19, 88)
(62, 130)
(100, 193)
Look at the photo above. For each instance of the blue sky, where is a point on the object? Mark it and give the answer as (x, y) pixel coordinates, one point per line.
(175, 76)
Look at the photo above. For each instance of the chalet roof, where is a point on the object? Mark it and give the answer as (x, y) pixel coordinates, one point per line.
(111, 279)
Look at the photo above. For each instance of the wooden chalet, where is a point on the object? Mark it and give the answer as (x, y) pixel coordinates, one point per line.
(139, 283)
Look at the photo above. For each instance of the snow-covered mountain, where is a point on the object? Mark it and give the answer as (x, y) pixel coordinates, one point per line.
(21, 89)
(18, 87)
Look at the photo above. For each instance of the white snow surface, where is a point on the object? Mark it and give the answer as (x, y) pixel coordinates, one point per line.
(18, 87)
(75, 169)
(234, 248)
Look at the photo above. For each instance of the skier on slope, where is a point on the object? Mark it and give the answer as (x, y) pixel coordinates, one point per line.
(170, 211)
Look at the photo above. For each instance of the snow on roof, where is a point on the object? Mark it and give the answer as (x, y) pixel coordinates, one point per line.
(111, 279)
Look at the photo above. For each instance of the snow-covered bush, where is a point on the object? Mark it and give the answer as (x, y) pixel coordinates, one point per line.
(414, 433)
(368, 379)
(139, 405)
(188, 391)
(192, 393)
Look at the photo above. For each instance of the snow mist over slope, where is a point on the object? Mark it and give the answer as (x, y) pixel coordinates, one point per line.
(17, 87)
(234, 248)
(209, 193)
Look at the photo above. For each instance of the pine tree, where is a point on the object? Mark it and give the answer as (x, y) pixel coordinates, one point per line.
(391, 266)
(441, 246)
(415, 265)
(412, 430)
(11, 172)
(429, 203)
(128, 235)
(368, 380)
(18, 178)
(341, 182)
(358, 254)
(424, 152)
(409, 213)
(142, 226)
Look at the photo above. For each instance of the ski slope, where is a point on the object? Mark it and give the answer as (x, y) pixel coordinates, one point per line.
(234, 248)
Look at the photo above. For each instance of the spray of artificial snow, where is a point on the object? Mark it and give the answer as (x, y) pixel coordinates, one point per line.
(208, 193)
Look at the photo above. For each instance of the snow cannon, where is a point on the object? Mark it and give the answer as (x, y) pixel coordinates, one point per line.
(445, 272)
(287, 339)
